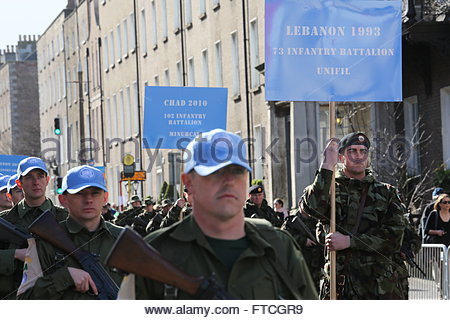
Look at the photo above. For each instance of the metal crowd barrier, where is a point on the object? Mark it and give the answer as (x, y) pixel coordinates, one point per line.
(433, 259)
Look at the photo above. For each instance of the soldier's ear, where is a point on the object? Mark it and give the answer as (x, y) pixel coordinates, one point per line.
(341, 158)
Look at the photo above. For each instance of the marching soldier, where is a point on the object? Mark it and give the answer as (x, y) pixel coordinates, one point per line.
(369, 221)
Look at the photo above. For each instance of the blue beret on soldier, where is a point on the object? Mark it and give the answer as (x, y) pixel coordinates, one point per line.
(354, 138)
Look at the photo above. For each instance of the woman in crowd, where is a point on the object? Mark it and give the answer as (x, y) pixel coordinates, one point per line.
(437, 227)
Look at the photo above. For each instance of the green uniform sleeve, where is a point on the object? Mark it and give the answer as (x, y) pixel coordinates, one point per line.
(172, 216)
(297, 269)
(316, 197)
(7, 262)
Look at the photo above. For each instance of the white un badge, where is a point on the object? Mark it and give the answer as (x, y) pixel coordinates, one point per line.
(86, 174)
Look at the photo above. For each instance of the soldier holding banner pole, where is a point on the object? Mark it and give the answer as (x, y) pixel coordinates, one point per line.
(369, 222)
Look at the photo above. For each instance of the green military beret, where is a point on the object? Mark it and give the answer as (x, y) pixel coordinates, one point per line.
(255, 189)
(354, 138)
(149, 200)
(166, 202)
(134, 199)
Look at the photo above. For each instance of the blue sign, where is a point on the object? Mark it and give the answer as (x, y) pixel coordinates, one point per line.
(333, 50)
(173, 116)
(9, 163)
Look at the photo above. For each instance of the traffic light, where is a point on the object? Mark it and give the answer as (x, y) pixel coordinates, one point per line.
(59, 181)
(57, 126)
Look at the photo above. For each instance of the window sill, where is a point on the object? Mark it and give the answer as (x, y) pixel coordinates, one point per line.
(119, 61)
(176, 31)
(256, 90)
(188, 25)
(237, 97)
(165, 39)
(216, 7)
(202, 16)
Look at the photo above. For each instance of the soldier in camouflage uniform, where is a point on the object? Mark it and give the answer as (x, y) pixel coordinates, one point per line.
(303, 229)
(365, 265)
(257, 207)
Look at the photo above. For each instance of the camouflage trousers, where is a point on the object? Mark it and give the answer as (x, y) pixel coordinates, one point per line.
(362, 285)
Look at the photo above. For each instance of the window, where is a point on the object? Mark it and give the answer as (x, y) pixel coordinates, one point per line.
(125, 37)
(75, 85)
(121, 113)
(105, 52)
(164, 19)
(154, 27)
(113, 114)
(191, 74)
(218, 47)
(254, 54)
(258, 152)
(135, 110)
(69, 84)
(118, 43)
(176, 16)
(445, 115)
(179, 74)
(112, 56)
(411, 114)
(235, 64)
(202, 9)
(61, 40)
(74, 45)
(188, 13)
(132, 32)
(143, 32)
(129, 110)
(205, 68)
(63, 81)
(166, 77)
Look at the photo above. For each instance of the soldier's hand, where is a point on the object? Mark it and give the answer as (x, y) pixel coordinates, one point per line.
(82, 280)
(337, 241)
(19, 254)
(310, 243)
(180, 203)
(330, 154)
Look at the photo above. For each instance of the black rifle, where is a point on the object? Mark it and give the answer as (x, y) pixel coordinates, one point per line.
(130, 253)
(47, 228)
(11, 233)
(410, 259)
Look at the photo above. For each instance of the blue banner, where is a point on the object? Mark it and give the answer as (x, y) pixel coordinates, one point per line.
(173, 116)
(333, 50)
(9, 163)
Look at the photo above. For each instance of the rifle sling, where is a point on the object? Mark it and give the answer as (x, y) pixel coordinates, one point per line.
(362, 203)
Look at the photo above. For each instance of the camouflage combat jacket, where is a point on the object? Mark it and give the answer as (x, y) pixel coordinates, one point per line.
(252, 276)
(21, 215)
(366, 269)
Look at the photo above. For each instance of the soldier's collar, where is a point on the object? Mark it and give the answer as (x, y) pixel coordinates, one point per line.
(74, 227)
(340, 175)
(23, 207)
